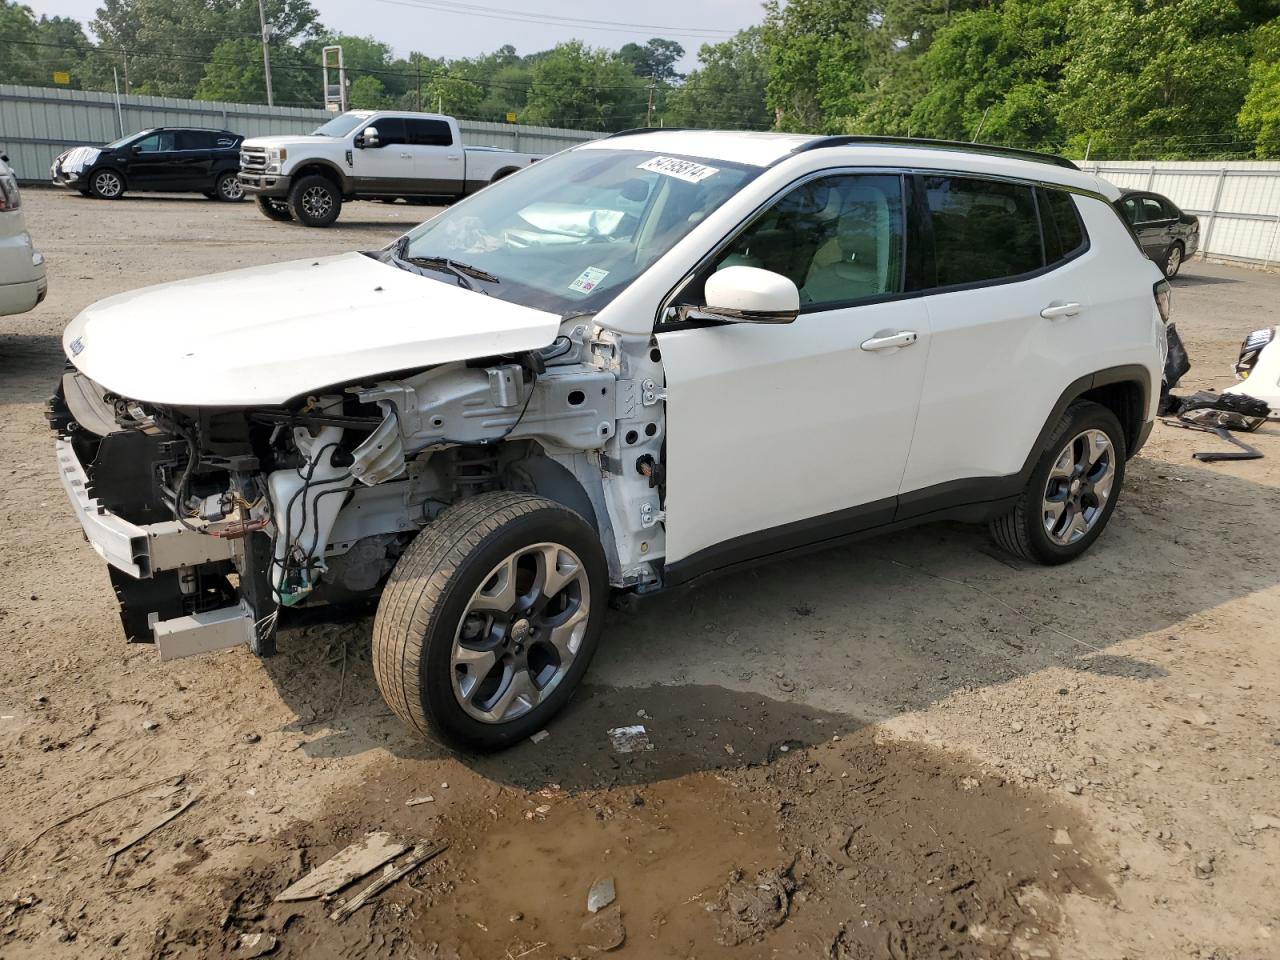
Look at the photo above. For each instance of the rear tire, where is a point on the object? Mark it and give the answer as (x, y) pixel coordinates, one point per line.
(315, 201)
(107, 184)
(1072, 490)
(1173, 260)
(229, 189)
(274, 209)
(490, 619)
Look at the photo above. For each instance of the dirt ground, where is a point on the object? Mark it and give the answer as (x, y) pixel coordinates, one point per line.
(912, 747)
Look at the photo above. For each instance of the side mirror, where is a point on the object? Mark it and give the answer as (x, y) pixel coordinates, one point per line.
(750, 295)
(368, 139)
(137, 148)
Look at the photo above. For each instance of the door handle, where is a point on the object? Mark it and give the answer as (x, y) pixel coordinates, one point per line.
(406, 156)
(1056, 311)
(903, 338)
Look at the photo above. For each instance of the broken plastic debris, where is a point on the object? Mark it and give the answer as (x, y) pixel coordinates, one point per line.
(414, 801)
(539, 736)
(350, 864)
(631, 739)
(602, 894)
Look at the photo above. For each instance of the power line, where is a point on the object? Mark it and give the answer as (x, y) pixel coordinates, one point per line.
(524, 16)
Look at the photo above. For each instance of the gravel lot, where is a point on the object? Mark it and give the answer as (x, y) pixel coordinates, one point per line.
(911, 747)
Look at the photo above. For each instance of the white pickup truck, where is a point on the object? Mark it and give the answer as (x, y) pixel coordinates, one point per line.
(368, 155)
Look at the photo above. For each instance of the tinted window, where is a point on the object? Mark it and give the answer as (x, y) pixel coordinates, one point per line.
(195, 140)
(429, 133)
(1151, 209)
(157, 142)
(1063, 231)
(839, 239)
(390, 130)
(1129, 207)
(982, 229)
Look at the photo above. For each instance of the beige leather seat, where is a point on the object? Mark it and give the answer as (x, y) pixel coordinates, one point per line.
(855, 262)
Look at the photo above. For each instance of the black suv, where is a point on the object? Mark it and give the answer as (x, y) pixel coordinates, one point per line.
(168, 159)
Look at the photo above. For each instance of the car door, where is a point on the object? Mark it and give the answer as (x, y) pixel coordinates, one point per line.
(1009, 317)
(151, 161)
(193, 167)
(780, 435)
(1153, 226)
(388, 167)
(438, 166)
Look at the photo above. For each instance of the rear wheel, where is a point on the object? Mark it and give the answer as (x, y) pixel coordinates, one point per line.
(106, 185)
(229, 188)
(490, 619)
(315, 201)
(273, 209)
(1072, 490)
(1173, 260)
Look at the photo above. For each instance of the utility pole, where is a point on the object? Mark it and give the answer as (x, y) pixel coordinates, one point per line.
(648, 117)
(124, 57)
(266, 54)
(982, 123)
(417, 70)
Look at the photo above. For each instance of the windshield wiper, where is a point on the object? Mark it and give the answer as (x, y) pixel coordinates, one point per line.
(463, 271)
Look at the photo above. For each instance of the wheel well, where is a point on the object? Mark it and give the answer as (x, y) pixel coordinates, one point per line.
(322, 170)
(1127, 400)
(505, 172)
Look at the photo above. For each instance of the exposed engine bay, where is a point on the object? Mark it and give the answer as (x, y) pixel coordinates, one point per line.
(226, 516)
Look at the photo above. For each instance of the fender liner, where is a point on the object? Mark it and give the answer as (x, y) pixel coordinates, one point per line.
(308, 166)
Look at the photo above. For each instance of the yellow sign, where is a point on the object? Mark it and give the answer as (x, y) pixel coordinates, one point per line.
(61, 76)
(511, 117)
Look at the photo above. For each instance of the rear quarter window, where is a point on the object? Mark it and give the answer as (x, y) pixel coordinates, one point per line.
(983, 230)
(1064, 232)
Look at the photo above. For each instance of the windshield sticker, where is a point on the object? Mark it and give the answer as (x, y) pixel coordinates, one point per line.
(588, 280)
(685, 170)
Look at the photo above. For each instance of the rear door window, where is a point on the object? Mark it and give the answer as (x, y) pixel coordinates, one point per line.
(429, 133)
(195, 140)
(983, 230)
(1152, 209)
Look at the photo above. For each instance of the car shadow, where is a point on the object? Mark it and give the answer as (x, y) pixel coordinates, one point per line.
(1184, 279)
(790, 653)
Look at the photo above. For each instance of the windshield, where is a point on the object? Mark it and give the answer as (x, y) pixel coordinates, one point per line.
(572, 231)
(117, 144)
(341, 125)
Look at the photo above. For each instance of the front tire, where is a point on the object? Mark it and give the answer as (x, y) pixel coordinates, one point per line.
(315, 201)
(107, 184)
(1072, 491)
(273, 209)
(490, 619)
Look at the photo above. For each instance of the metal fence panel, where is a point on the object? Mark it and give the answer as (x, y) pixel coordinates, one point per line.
(38, 123)
(1237, 201)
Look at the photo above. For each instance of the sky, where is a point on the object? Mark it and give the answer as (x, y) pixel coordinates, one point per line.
(438, 28)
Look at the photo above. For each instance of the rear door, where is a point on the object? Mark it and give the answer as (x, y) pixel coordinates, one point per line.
(1009, 313)
(1153, 224)
(781, 435)
(438, 164)
(194, 160)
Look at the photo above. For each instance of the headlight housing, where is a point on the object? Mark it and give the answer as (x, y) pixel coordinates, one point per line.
(1251, 349)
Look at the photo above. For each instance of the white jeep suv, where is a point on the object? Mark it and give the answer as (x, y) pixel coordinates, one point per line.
(644, 359)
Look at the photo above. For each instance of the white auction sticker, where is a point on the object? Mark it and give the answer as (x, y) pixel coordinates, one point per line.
(588, 280)
(680, 169)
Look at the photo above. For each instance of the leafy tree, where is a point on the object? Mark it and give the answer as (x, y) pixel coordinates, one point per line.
(368, 93)
(995, 70)
(1148, 79)
(654, 60)
(576, 86)
(728, 87)
(1260, 114)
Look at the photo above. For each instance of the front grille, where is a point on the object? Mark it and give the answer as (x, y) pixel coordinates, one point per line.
(253, 159)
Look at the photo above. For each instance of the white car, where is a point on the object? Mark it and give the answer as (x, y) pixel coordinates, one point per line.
(645, 359)
(368, 155)
(22, 275)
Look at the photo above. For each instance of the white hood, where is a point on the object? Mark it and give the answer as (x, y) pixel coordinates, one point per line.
(290, 140)
(268, 334)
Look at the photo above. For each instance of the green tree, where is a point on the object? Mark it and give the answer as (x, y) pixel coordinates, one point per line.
(727, 89)
(1147, 79)
(995, 70)
(1260, 113)
(577, 86)
(655, 60)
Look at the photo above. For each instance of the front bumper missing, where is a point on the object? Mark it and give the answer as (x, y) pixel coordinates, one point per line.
(143, 550)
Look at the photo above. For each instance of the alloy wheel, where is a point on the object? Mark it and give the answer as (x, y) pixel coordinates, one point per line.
(317, 202)
(107, 184)
(232, 188)
(1079, 485)
(520, 632)
(1173, 261)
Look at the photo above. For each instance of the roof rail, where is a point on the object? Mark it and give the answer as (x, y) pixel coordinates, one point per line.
(633, 130)
(849, 140)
